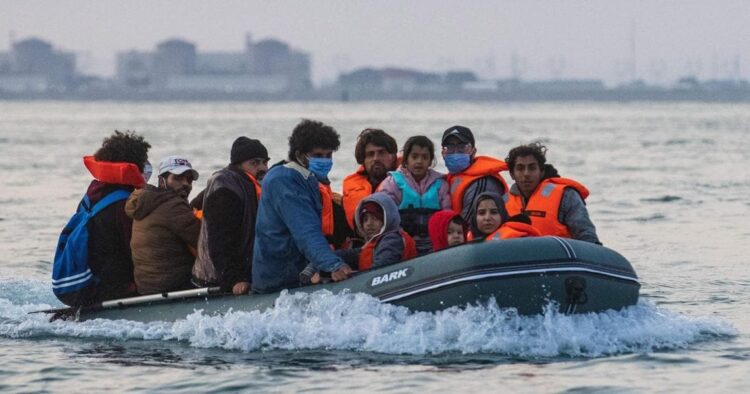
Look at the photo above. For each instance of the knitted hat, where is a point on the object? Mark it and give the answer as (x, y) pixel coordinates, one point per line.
(245, 148)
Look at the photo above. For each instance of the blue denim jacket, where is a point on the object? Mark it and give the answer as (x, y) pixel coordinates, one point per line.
(288, 231)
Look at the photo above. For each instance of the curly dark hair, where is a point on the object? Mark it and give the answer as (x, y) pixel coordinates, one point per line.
(535, 149)
(376, 137)
(311, 134)
(422, 141)
(127, 147)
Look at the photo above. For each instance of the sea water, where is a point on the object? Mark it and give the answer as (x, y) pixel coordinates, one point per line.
(670, 190)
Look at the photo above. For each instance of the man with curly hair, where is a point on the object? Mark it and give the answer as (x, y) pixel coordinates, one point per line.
(555, 205)
(292, 213)
(117, 166)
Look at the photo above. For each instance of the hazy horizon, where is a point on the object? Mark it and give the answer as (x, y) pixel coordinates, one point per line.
(668, 39)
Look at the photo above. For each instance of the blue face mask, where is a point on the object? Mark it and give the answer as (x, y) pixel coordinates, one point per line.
(320, 166)
(457, 162)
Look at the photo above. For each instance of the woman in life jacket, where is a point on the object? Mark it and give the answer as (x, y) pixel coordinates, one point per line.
(418, 190)
(491, 221)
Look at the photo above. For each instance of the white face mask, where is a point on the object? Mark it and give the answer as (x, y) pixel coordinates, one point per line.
(147, 170)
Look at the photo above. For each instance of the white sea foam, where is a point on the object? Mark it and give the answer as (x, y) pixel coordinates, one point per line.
(361, 323)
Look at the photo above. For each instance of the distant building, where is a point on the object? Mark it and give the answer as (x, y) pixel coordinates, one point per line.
(33, 65)
(401, 80)
(266, 67)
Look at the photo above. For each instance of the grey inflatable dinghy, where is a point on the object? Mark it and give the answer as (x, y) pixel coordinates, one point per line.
(524, 273)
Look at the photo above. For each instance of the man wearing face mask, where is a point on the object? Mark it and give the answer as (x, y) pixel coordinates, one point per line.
(230, 205)
(164, 229)
(293, 214)
(469, 175)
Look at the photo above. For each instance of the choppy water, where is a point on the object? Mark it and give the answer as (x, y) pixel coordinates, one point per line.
(670, 189)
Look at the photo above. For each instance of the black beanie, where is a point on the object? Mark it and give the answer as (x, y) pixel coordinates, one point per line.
(244, 148)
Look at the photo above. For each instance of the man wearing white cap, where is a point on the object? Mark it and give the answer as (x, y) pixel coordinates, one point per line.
(164, 229)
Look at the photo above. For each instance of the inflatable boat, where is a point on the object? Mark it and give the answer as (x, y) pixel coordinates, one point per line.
(525, 273)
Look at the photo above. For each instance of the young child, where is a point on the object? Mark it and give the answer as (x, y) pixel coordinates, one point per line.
(385, 243)
(447, 228)
(418, 190)
(377, 219)
(492, 223)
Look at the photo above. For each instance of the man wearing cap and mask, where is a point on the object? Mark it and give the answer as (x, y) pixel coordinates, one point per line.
(469, 175)
(230, 205)
(164, 229)
(294, 214)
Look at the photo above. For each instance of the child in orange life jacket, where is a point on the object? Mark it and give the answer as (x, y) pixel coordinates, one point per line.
(491, 221)
(379, 221)
(447, 228)
(418, 190)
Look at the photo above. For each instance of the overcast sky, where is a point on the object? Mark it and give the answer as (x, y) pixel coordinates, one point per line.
(568, 39)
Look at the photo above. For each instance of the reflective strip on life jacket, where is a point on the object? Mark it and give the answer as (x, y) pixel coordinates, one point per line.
(356, 187)
(326, 217)
(543, 207)
(411, 199)
(368, 251)
(114, 173)
(481, 167)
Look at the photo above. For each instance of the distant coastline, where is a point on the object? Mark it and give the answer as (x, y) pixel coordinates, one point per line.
(610, 95)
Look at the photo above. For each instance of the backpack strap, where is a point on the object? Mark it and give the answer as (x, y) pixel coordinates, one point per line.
(108, 200)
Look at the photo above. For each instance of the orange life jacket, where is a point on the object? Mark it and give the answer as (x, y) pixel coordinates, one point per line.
(368, 251)
(356, 187)
(514, 230)
(543, 207)
(114, 173)
(326, 218)
(481, 167)
(256, 184)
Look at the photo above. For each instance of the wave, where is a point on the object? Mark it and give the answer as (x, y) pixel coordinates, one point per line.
(666, 198)
(358, 322)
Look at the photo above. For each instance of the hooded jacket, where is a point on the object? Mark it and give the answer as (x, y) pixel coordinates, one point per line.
(438, 228)
(163, 230)
(390, 244)
(475, 232)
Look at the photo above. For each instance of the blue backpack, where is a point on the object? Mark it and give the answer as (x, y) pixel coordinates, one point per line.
(70, 271)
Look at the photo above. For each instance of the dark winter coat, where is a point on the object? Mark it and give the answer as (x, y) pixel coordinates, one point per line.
(225, 245)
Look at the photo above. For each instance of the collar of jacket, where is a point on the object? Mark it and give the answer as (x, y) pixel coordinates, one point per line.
(296, 166)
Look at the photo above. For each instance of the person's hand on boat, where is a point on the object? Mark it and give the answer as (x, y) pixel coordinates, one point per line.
(241, 288)
(342, 273)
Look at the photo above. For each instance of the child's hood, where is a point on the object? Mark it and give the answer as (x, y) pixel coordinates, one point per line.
(391, 217)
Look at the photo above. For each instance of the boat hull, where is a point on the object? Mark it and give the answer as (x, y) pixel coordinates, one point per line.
(526, 274)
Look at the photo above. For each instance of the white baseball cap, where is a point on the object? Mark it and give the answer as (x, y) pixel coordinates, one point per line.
(177, 165)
